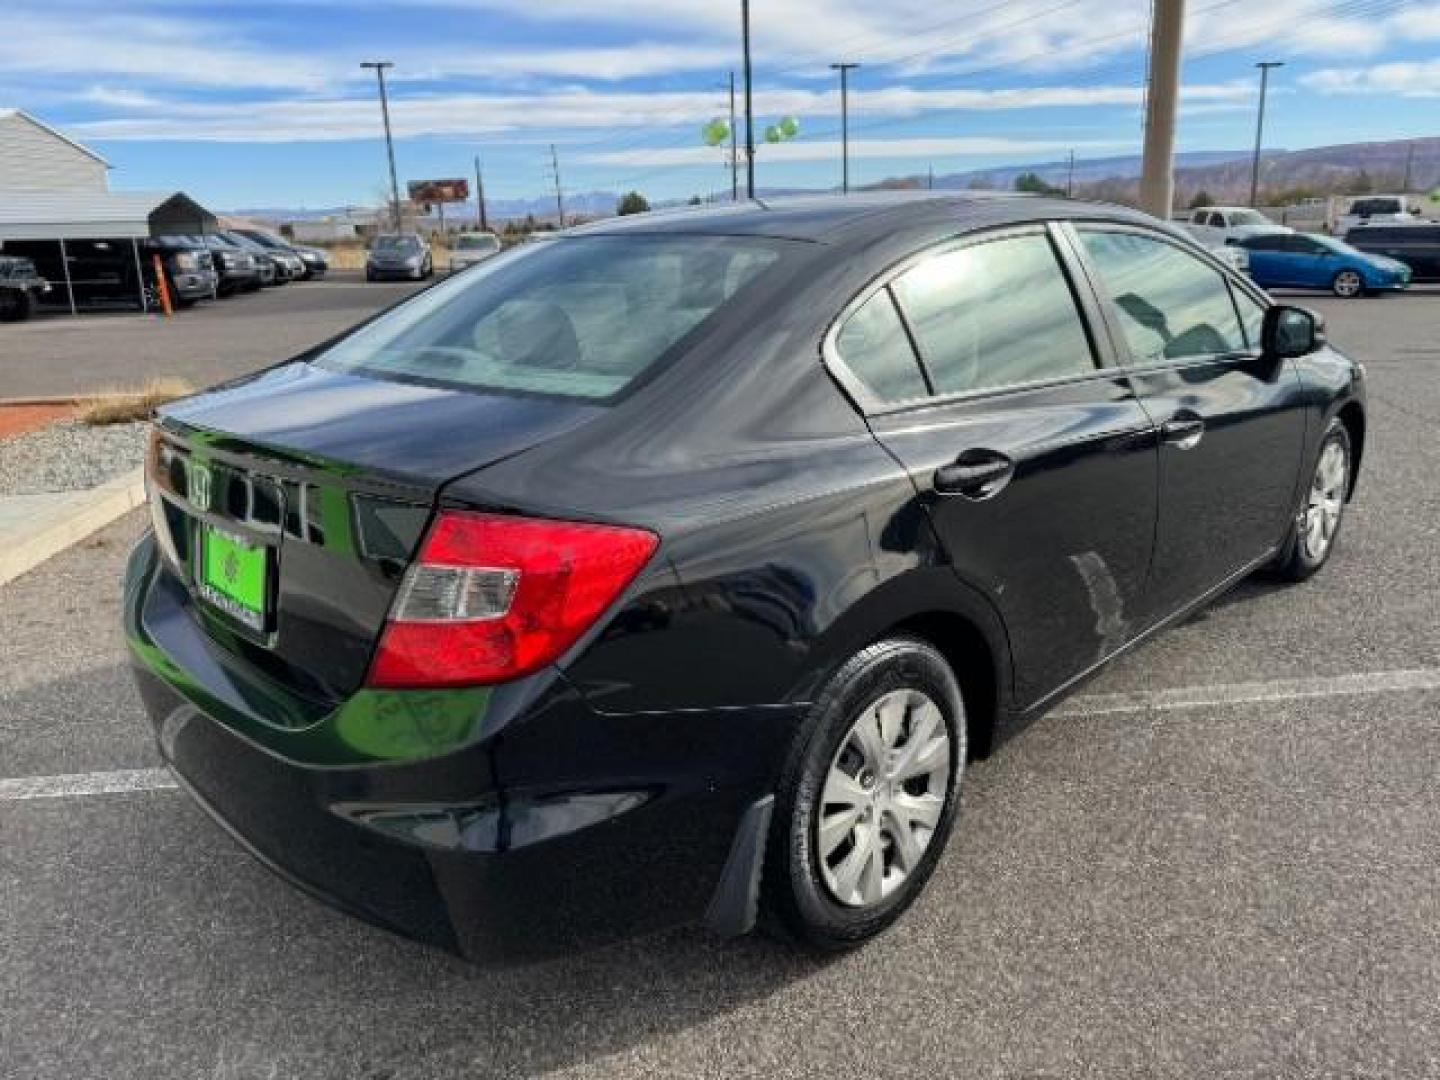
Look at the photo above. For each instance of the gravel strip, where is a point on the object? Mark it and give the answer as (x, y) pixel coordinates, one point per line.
(69, 457)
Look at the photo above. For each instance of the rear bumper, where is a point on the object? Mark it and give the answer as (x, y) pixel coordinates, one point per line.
(397, 273)
(557, 828)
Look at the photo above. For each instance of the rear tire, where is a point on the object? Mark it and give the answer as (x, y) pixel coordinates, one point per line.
(867, 799)
(1316, 527)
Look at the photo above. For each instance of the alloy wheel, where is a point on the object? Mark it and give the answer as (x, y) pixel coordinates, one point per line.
(1348, 283)
(883, 797)
(1320, 519)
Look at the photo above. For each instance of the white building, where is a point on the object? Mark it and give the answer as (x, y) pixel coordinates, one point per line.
(36, 157)
(54, 189)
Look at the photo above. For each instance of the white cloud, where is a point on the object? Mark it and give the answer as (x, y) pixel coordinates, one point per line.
(320, 119)
(1412, 79)
(161, 51)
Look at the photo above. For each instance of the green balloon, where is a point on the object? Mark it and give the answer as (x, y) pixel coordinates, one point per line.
(772, 134)
(789, 127)
(715, 132)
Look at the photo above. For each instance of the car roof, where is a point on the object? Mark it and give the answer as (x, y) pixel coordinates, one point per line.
(832, 219)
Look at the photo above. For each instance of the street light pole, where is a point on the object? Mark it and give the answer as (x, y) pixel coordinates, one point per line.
(1264, 66)
(734, 147)
(380, 66)
(749, 103)
(844, 70)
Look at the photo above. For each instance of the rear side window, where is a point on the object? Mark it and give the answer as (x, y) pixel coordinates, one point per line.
(875, 347)
(1172, 306)
(995, 314)
(577, 317)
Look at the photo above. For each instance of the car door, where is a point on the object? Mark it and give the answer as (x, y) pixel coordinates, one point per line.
(1269, 264)
(1231, 421)
(1033, 458)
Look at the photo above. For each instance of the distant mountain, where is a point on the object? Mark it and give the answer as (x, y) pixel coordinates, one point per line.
(1087, 170)
(1223, 174)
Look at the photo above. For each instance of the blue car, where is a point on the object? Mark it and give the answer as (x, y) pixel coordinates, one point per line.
(1308, 261)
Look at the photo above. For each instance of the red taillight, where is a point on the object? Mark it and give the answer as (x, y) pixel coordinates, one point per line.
(492, 598)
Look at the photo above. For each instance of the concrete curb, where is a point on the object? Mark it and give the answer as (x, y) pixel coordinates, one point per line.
(35, 527)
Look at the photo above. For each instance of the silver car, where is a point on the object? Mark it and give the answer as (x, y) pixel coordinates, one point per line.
(471, 248)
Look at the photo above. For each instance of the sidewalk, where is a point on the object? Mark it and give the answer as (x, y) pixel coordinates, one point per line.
(34, 527)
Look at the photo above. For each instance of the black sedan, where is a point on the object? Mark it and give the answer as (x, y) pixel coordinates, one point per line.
(1417, 246)
(672, 569)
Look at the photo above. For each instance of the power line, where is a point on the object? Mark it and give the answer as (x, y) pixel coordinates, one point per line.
(559, 191)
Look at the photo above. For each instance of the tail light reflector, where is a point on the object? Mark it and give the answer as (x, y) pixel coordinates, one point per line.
(491, 598)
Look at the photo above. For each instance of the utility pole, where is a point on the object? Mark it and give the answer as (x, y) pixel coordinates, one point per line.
(734, 146)
(930, 178)
(844, 70)
(480, 195)
(749, 103)
(1157, 179)
(1409, 161)
(1070, 178)
(380, 67)
(559, 196)
(1264, 66)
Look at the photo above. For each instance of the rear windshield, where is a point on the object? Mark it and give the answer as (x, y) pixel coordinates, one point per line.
(397, 243)
(577, 317)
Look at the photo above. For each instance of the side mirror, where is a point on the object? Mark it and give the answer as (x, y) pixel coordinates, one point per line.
(1291, 331)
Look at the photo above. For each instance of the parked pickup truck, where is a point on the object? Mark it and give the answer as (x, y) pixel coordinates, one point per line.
(20, 287)
(1217, 225)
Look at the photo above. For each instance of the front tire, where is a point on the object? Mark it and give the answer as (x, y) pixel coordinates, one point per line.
(1348, 284)
(868, 797)
(1316, 527)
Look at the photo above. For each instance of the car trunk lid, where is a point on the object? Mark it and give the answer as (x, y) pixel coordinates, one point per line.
(291, 503)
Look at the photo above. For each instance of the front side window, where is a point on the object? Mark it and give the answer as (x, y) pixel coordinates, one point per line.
(1172, 306)
(570, 317)
(875, 347)
(995, 314)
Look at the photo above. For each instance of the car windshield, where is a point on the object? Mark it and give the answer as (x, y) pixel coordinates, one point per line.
(264, 240)
(1248, 217)
(477, 243)
(579, 317)
(397, 243)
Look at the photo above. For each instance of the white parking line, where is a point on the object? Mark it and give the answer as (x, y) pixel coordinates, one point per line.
(92, 783)
(1188, 697)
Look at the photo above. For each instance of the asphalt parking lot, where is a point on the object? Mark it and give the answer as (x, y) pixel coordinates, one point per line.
(60, 355)
(1223, 859)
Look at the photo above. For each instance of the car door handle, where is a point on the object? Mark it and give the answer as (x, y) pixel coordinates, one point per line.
(976, 474)
(1182, 431)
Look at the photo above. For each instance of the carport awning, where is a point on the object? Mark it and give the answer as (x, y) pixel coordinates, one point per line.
(36, 215)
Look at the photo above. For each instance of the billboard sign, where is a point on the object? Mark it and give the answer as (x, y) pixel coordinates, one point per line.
(439, 192)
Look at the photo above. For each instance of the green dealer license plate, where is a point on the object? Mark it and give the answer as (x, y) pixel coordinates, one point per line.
(234, 575)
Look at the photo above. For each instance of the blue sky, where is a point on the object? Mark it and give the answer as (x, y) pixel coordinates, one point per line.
(263, 103)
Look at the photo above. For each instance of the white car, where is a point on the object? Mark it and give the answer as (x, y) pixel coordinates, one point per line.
(1214, 226)
(471, 248)
(1379, 210)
